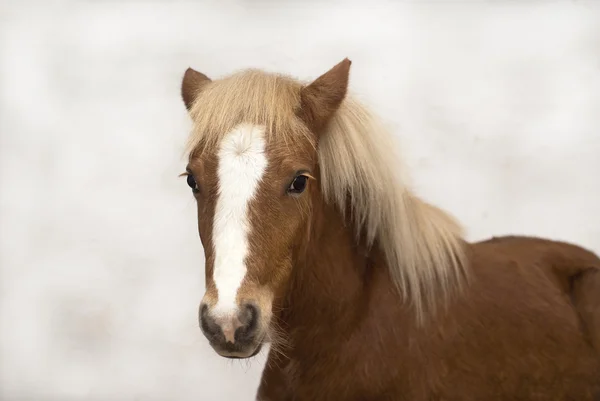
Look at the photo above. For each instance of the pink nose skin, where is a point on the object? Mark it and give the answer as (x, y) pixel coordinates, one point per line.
(233, 336)
(228, 327)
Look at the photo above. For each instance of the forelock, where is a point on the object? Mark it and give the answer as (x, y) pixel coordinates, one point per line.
(247, 97)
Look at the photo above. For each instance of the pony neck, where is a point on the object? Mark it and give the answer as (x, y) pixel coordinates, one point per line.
(331, 279)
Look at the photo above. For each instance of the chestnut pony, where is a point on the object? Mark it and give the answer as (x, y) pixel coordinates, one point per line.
(315, 243)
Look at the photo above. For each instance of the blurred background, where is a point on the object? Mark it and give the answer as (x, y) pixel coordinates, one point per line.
(496, 104)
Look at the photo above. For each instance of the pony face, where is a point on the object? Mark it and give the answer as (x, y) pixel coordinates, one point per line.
(254, 203)
(253, 170)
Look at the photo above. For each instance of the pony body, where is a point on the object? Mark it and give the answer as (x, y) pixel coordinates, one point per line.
(365, 291)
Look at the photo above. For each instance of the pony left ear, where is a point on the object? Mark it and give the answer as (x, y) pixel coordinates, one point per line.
(192, 83)
(321, 99)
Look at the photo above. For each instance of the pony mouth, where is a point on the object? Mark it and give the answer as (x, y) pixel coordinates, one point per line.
(239, 350)
(238, 356)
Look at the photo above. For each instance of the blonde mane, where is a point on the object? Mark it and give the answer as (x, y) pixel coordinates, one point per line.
(422, 245)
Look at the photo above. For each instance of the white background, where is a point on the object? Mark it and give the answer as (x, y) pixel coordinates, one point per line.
(497, 105)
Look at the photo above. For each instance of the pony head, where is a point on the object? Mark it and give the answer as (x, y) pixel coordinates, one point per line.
(265, 153)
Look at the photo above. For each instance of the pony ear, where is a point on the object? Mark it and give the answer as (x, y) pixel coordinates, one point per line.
(323, 96)
(192, 83)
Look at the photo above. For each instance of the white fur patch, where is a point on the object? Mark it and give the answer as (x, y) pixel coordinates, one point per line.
(242, 163)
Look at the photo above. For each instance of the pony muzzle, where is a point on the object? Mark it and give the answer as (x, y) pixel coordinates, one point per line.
(235, 334)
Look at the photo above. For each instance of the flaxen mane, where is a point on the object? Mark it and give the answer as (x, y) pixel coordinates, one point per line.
(422, 244)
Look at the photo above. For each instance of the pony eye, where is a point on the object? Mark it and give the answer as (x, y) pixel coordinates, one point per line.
(192, 183)
(298, 185)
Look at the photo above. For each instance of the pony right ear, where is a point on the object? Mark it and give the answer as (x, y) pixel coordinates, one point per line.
(321, 99)
(193, 82)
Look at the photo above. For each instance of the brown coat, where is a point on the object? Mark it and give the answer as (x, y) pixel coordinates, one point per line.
(528, 328)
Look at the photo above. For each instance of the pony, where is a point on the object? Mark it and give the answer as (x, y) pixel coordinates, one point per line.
(315, 244)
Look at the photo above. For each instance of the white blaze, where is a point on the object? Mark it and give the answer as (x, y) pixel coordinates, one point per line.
(242, 163)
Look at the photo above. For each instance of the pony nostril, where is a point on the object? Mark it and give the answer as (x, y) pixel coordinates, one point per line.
(203, 310)
(208, 325)
(249, 315)
(253, 312)
(249, 319)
